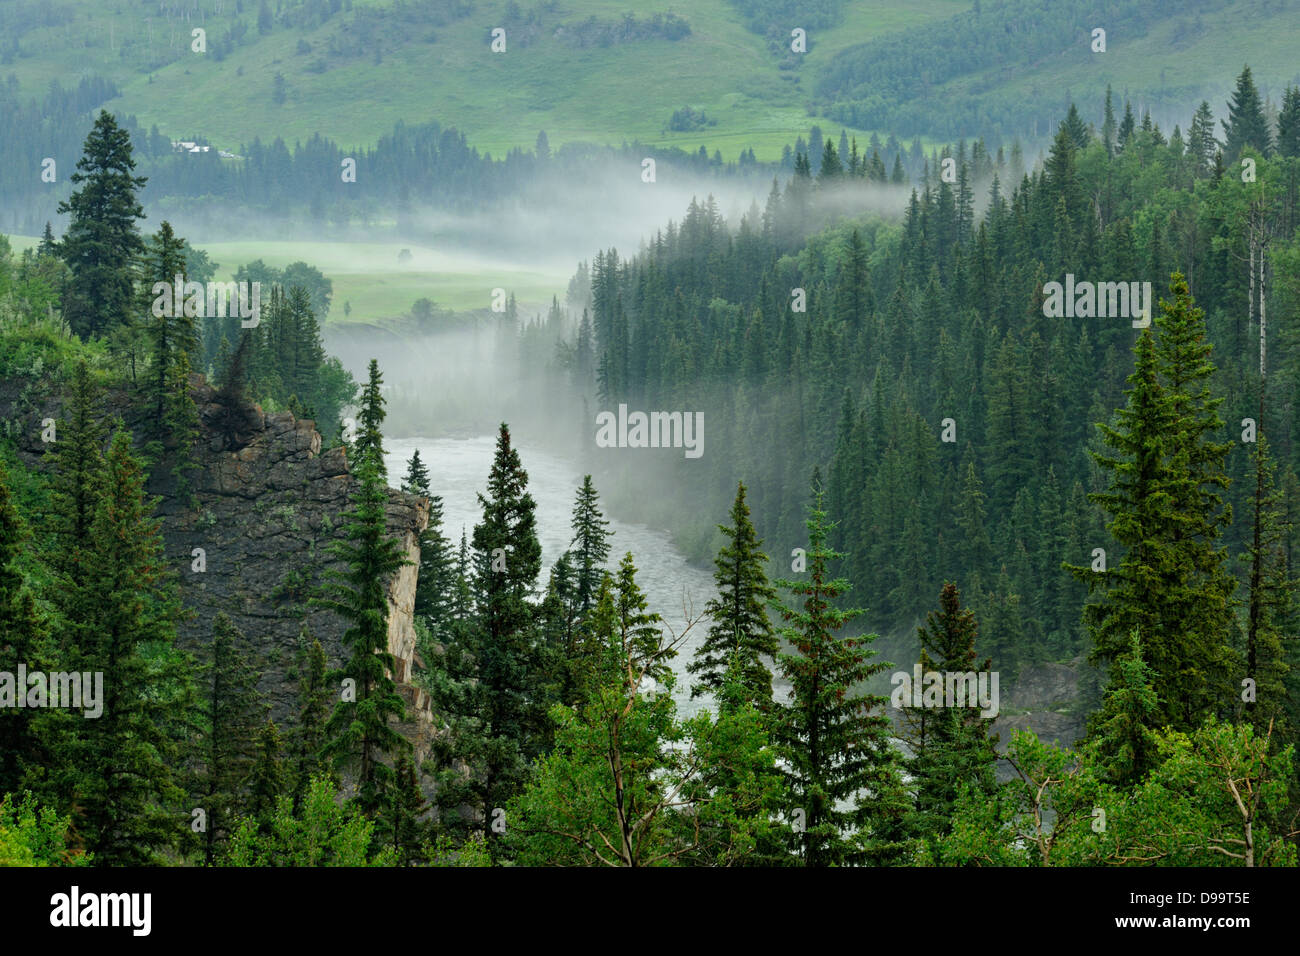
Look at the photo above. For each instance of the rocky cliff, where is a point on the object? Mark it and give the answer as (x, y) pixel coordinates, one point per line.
(253, 539)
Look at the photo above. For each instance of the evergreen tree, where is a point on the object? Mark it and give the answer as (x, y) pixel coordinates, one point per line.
(313, 712)
(1288, 123)
(740, 634)
(835, 744)
(77, 464)
(401, 827)
(266, 777)
(956, 751)
(416, 480)
(359, 731)
(1171, 585)
(121, 620)
(1246, 125)
(22, 641)
(102, 241)
(590, 545)
(1201, 143)
(234, 713)
(1125, 738)
(1272, 602)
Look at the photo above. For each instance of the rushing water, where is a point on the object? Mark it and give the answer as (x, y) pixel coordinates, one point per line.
(458, 470)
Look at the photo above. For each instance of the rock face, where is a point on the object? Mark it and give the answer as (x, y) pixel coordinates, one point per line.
(264, 516)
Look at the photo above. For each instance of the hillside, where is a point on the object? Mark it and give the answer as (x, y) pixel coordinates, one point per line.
(583, 71)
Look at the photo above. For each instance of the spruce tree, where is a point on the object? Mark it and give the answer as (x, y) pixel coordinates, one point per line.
(359, 732)
(740, 634)
(1288, 123)
(1166, 512)
(1124, 738)
(121, 620)
(22, 641)
(1271, 604)
(507, 559)
(77, 466)
(1246, 125)
(313, 711)
(234, 716)
(957, 751)
(590, 544)
(401, 827)
(103, 240)
(416, 480)
(266, 777)
(835, 739)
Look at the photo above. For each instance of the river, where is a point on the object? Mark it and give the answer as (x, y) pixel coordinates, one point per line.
(458, 470)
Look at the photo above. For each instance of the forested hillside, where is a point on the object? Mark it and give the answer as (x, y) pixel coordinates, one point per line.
(923, 492)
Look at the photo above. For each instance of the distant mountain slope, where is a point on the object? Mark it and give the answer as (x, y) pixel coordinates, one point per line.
(596, 70)
(608, 71)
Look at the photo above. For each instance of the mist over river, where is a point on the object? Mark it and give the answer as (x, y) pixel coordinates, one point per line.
(458, 470)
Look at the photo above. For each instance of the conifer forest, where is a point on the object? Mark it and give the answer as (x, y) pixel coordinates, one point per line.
(742, 433)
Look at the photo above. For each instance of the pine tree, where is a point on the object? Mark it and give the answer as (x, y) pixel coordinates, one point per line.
(234, 714)
(740, 634)
(22, 641)
(1171, 585)
(313, 711)
(102, 241)
(1125, 737)
(835, 744)
(956, 751)
(360, 731)
(1288, 123)
(416, 480)
(590, 545)
(266, 777)
(121, 619)
(1246, 125)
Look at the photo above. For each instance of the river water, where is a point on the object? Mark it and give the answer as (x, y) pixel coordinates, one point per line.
(458, 470)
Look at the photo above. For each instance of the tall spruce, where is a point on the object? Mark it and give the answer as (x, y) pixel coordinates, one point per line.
(507, 559)
(1165, 478)
(590, 544)
(235, 713)
(103, 240)
(835, 739)
(121, 621)
(1246, 126)
(359, 732)
(740, 634)
(22, 643)
(955, 752)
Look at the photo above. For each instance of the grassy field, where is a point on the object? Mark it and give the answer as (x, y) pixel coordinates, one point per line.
(370, 278)
(608, 95)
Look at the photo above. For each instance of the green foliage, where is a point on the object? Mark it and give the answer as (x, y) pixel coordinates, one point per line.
(321, 833)
(834, 738)
(35, 835)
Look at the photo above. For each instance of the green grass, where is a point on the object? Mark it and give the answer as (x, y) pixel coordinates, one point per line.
(370, 277)
(499, 101)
